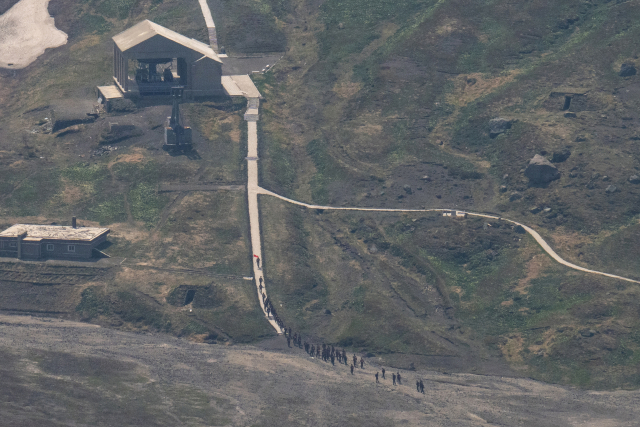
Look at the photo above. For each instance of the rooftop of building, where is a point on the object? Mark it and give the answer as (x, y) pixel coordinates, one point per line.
(146, 29)
(55, 232)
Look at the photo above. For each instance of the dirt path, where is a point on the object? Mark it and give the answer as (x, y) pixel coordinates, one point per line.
(545, 246)
(26, 31)
(268, 384)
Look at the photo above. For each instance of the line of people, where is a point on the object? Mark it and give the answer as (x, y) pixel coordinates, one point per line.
(327, 352)
(270, 310)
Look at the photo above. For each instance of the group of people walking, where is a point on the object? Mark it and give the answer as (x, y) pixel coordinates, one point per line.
(326, 352)
(329, 353)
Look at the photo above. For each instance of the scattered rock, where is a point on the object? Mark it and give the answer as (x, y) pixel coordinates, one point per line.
(611, 189)
(587, 333)
(634, 179)
(570, 115)
(605, 178)
(519, 229)
(534, 210)
(561, 155)
(372, 249)
(541, 170)
(115, 132)
(327, 311)
(546, 210)
(407, 189)
(426, 178)
(438, 196)
(581, 138)
(515, 196)
(103, 151)
(122, 105)
(503, 188)
(499, 125)
(70, 129)
(627, 70)
(505, 176)
(471, 81)
(573, 175)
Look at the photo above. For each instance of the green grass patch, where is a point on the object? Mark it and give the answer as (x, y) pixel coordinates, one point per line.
(146, 204)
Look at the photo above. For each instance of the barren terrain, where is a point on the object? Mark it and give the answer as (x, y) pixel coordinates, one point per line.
(110, 377)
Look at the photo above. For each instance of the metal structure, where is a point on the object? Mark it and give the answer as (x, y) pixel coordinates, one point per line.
(176, 136)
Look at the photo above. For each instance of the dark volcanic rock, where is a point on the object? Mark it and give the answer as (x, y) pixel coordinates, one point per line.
(498, 125)
(634, 179)
(627, 70)
(561, 155)
(540, 170)
(611, 189)
(515, 196)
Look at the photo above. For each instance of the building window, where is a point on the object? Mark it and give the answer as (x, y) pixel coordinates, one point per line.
(71, 248)
(13, 244)
(49, 246)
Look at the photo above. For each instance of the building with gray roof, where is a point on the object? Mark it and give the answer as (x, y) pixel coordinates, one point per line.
(33, 242)
(150, 59)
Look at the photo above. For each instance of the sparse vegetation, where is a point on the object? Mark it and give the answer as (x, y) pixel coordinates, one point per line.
(376, 103)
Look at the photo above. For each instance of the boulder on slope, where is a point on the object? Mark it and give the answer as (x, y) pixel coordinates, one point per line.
(499, 125)
(541, 170)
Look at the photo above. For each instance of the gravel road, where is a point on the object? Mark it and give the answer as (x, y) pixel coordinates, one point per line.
(269, 384)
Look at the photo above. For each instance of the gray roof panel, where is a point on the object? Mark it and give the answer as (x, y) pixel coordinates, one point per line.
(146, 29)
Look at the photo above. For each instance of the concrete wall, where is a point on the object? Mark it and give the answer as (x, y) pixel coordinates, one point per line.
(61, 250)
(6, 249)
(38, 250)
(207, 77)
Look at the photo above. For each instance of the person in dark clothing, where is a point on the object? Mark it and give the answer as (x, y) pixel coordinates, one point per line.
(399, 379)
(318, 351)
(355, 360)
(377, 378)
(289, 331)
(260, 287)
(344, 356)
(333, 359)
(289, 341)
(257, 262)
(421, 387)
(394, 378)
(383, 373)
(351, 369)
(361, 363)
(313, 350)
(417, 386)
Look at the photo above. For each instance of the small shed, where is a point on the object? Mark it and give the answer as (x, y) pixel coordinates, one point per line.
(150, 59)
(34, 242)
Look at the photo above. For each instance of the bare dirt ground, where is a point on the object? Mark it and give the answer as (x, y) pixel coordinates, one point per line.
(26, 30)
(160, 380)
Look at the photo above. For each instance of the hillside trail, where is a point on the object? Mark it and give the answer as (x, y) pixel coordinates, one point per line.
(271, 384)
(254, 189)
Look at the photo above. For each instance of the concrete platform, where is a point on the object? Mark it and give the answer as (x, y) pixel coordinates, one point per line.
(230, 87)
(247, 64)
(246, 85)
